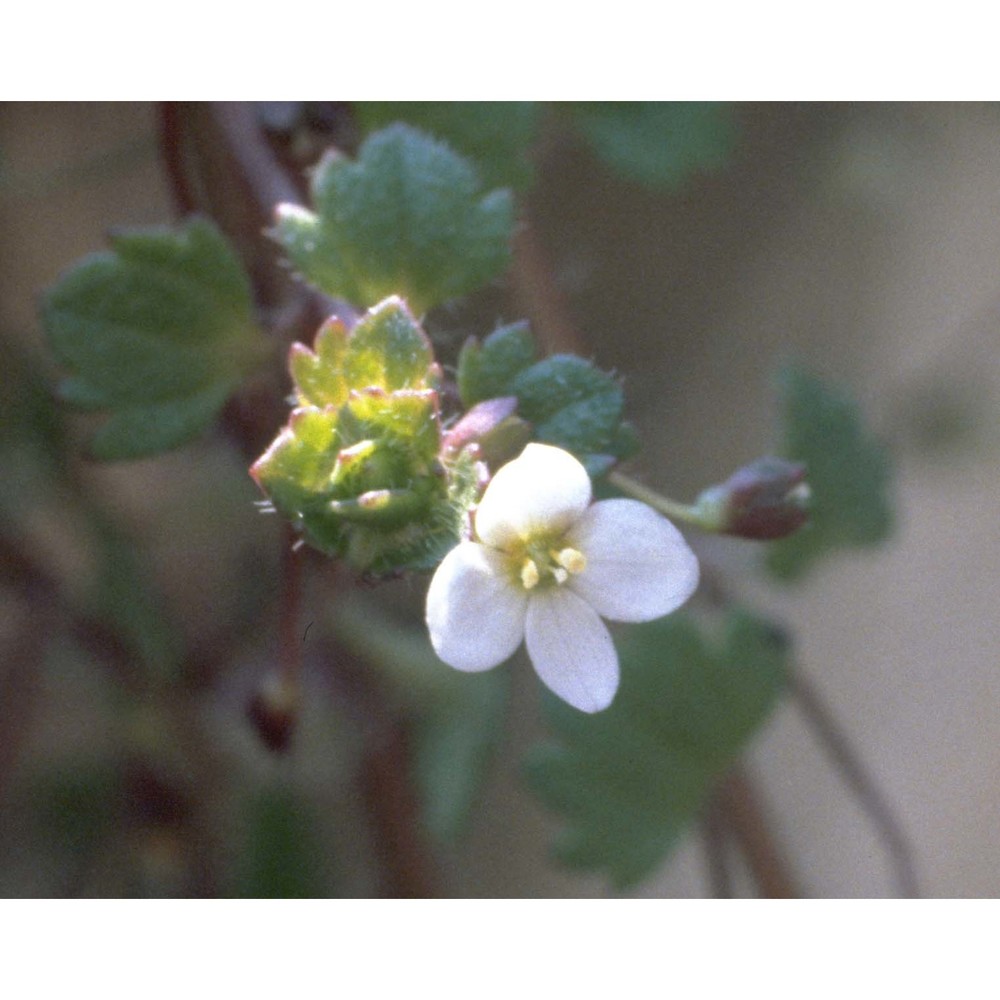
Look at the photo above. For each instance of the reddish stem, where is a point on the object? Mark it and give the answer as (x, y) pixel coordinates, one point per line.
(745, 818)
(856, 776)
(228, 138)
(388, 793)
(540, 297)
(291, 609)
(172, 152)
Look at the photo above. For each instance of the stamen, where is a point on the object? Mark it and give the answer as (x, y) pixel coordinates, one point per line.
(560, 574)
(801, 493)
(571, 559)
(529, 574)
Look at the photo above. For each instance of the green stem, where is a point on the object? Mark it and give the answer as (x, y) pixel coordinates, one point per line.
(671, 508)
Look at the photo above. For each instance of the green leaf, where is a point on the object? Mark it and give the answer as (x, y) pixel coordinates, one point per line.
(124, 594)
(280, 858)
(658, 144)
(159, 331)
(497, 135)
(459, 717)
(569, 401)
(487, 370)
(848, 472)
(140, 430)
(630, 779)
(76, 806)
(407, 218)
(318, 374)
(300, 461)
(32, 437)
(455, 742)
(389, 350)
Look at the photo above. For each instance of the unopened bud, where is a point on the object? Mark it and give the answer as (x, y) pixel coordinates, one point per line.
(493, 426)
(767, 499)
(273, 712)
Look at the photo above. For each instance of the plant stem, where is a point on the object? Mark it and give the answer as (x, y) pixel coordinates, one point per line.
(848, 762)
(291, 611)
(21, 684)
(407, 866)
(670, 508)
(407, 871)
(259, 169)
(242, 180)
(172, 153)
(714, 830)
(539, 296)
(744, 816)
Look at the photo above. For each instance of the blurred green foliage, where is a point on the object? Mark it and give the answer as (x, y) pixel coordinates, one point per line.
(158, 332)
(659, 144)
(458, 719)
(629, 780)
(847, 469)
(280, 856)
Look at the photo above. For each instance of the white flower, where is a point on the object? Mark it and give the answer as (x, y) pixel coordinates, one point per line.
(546, 566)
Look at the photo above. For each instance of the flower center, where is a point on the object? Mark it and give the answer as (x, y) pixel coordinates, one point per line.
(540, 563)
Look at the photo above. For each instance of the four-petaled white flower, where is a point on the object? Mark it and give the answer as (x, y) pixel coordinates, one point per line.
(546, 565)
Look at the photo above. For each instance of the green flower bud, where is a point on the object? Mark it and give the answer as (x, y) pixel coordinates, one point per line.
(359, 469)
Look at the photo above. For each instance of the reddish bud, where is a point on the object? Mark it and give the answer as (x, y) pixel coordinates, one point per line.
(767, 499)
(493, 426)
(273, 712)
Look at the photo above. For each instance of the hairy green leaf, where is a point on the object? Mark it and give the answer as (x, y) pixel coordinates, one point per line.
(496, 135)
(487, 369)
(630, 779)
(569, 401)
(408, 218)
(159, 332)
(318, 374)
(848, 472)
(658, 144)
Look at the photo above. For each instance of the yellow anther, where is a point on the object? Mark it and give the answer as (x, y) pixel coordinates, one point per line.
(529, 574)
(571, 559)
(560, 574)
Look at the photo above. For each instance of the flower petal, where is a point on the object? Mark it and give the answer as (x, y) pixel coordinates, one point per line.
(639, 567)
(475, 614)
(545, 489)
(571, 649)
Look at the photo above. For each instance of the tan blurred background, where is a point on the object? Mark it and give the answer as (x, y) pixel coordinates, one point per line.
(861, 240)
